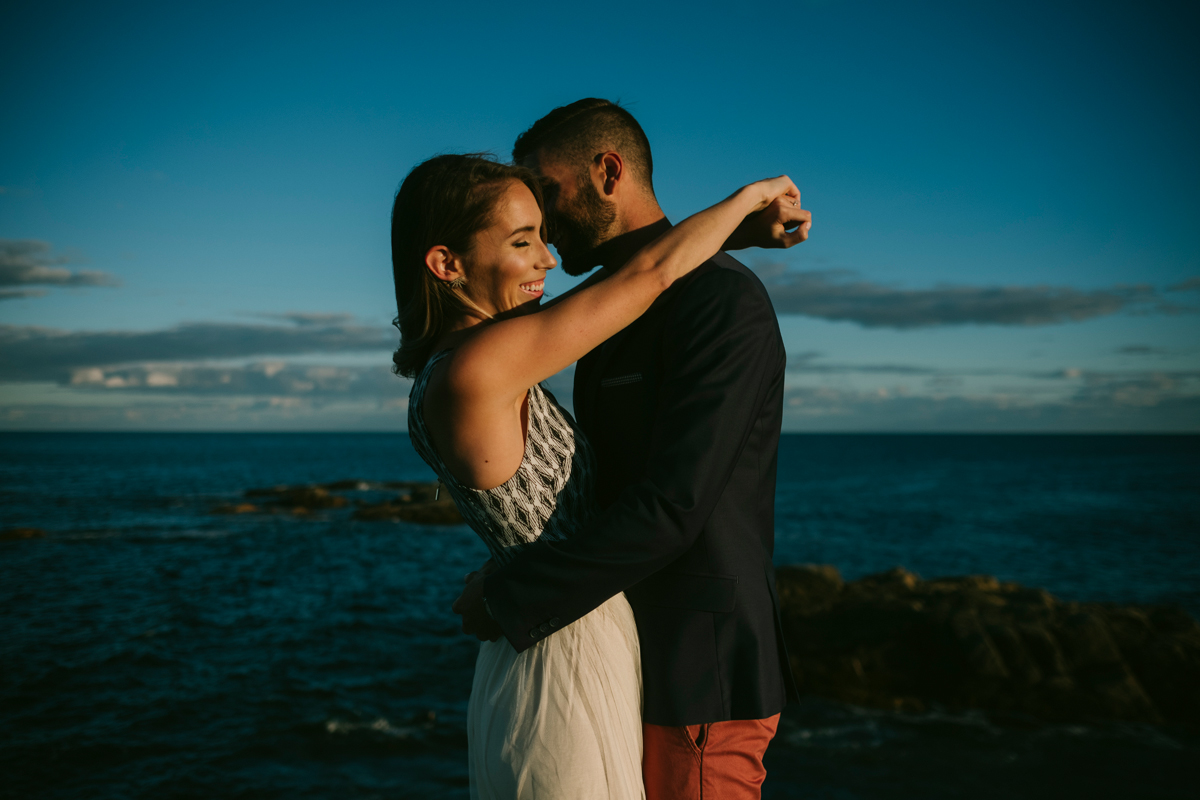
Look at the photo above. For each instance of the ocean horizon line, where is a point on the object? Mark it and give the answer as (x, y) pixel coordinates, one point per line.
(305, 432)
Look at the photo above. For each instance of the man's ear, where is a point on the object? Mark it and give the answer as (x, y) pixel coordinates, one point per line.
(443, 263)
(609, 171)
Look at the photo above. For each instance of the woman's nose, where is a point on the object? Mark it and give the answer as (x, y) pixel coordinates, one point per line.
(548, 260)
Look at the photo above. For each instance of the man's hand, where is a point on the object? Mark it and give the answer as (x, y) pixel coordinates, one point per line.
(469, 605)
(780, 225)
(488, 568)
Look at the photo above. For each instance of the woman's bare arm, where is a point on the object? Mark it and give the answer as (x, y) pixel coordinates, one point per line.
(780, 225)
(474, 405)
(507, 357)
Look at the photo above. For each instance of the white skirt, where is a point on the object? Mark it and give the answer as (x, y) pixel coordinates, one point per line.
(562, 720)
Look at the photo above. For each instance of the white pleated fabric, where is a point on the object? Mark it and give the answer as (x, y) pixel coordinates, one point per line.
(562, 720)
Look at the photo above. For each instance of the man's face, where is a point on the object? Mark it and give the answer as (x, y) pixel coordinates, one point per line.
(579, 219)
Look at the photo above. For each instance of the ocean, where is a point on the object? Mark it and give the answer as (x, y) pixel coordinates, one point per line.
(151, 649)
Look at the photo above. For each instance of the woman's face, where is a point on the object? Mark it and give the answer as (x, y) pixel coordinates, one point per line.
(507, 267)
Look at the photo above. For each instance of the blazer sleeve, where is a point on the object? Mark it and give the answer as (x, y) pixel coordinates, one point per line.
(720, 354)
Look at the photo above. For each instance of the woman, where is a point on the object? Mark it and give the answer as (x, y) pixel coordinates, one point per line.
(561, 719)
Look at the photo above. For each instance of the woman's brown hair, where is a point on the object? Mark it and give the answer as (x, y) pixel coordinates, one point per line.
(443, 201)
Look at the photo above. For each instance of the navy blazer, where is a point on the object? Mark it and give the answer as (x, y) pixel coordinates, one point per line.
(683, 409)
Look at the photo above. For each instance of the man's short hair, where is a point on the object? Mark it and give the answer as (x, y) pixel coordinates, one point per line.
(579, 132)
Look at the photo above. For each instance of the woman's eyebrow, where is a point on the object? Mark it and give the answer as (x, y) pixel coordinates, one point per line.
(526, 229)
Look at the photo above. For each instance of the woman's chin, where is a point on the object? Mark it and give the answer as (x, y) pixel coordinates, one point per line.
(522, 306)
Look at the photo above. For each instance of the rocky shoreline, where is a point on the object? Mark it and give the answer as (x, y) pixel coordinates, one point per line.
(893, 640)
(15, 534)
(395, 501)
(896, 641)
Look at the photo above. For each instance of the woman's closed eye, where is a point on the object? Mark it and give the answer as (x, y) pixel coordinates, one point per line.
(522, 232)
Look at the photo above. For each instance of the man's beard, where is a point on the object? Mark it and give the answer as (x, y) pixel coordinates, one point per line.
(582, 227)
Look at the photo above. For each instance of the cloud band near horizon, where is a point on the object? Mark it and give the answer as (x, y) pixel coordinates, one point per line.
(839, 295)
(30, 353)
(28, 262)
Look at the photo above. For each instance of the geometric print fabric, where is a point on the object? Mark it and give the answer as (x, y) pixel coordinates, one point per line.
(552, 493)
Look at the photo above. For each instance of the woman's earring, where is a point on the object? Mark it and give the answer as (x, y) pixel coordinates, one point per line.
(458, 282)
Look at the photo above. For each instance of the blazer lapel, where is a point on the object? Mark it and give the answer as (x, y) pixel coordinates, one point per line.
(582, 390)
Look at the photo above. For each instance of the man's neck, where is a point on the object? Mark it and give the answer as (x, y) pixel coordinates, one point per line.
(614, 253)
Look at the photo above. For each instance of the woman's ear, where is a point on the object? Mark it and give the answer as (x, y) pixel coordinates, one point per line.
(444, 265)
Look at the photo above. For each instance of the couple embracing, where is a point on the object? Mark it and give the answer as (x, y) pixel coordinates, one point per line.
(631, 644)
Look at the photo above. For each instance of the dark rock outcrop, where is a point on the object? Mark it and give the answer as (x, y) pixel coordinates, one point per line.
(13, 534)
(299, 499)
(346, 486)
(439, 512)
(409, 501)
(895, 641)
(237, 508)
(422, 503)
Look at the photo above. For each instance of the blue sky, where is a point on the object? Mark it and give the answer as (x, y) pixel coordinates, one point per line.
(195, 198)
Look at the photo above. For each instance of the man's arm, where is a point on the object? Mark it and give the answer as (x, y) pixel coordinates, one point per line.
(722, 353)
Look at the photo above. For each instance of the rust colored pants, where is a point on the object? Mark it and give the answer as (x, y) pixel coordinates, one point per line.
(714, 761)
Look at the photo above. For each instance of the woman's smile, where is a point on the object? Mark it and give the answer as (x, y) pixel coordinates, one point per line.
(534, 288)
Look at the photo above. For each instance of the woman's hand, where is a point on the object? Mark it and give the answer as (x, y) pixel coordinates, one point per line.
(774, 188)
(781, 224)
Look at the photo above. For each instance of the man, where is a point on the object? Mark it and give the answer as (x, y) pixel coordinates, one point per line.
(683, 409)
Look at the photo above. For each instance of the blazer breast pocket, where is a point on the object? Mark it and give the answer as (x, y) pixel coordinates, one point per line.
(624, 404)
(621, 380)
(621, 421)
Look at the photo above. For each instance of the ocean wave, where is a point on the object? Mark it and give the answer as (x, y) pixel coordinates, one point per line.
(824, 724)
(418, 728)
(1151, 736)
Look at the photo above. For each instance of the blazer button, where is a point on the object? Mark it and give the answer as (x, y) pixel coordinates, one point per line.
(544, 627)
(535, 633)
(554, 621)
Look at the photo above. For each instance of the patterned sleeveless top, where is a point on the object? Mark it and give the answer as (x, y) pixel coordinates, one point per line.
(551, 495)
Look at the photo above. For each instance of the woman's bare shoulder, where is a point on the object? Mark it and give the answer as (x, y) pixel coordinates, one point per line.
(480, 438)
